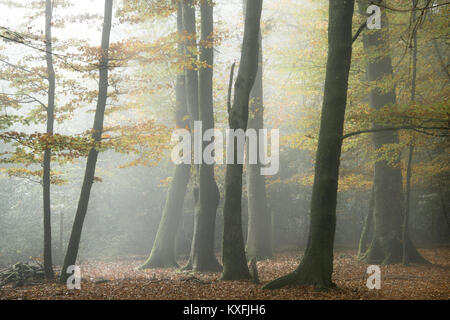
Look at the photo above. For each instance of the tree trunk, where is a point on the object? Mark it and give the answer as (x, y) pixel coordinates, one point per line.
(367, 229)
(407, 202)
(386, 246)
(259, 244)
(202, 251)
(163, 250)
(72, 249)
(442, 203)
(233, 252)
(61, 238)
(46, 181)
(316, 267)
(411, 144)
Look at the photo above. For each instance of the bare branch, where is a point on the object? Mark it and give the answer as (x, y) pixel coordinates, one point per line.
(415, 128)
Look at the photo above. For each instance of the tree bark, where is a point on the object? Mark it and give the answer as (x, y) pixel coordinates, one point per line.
(46, 180)
(75, 236)
(163, 251)
(386, 245)
(316, 267)
(259, 243)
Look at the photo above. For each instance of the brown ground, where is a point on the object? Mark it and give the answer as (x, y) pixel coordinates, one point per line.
(398, 282)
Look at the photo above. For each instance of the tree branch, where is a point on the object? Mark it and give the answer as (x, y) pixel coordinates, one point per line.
(415, 128)
(413, 9)
(360, 29)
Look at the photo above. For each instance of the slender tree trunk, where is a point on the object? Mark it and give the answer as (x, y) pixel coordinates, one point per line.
(443, 204)
(386, 245)
(163, 250)
(233, 251)
(191, 80)
(202, 252)
(367, 229)
(414, 53)
(316, 267)
(75, 236)
(61, 238)
(407, 204)
(411, 144)
(259, 244)
(46, 181)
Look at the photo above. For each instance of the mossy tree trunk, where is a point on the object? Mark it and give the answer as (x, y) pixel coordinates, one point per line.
(163, 251)
(386, 245)
(316, 266)
(233, 251)
(75, 236)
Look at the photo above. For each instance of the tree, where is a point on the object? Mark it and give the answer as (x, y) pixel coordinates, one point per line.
(316, 266)
(75, 236)
(233, 254)
(259, 239)
(48, 268)
(163, 250)
(367, 229)
(386, 244)
(202, 257)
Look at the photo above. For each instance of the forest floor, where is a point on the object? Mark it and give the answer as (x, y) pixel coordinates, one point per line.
(121, 280)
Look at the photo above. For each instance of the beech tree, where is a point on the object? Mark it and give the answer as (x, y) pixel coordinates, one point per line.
(75, 236)
(48, 268)
(163, 250)
(316, 266)
(233, 254)
(259, 234)
(202, 251)
(199, 92)
(386, 244)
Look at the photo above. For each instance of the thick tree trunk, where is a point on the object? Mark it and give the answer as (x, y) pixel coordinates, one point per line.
(386, 246)
(202, 252)
(233, 252)
(316, 267)
(75, 236)
(163, 251)
(46, 181)
(259, 244)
